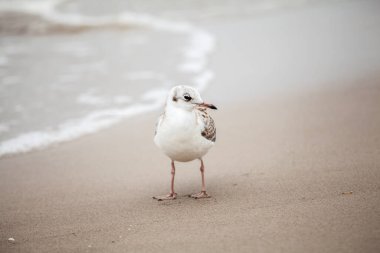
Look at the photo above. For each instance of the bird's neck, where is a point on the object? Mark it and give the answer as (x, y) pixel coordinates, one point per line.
(174, 110)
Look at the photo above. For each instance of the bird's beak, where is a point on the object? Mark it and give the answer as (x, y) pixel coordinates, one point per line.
(211, 106)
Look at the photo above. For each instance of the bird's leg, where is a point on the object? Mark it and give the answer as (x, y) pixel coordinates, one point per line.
(172, 195)
(203, 193)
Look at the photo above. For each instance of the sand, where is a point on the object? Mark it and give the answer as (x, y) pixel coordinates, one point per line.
(295, 169)
(296, 174)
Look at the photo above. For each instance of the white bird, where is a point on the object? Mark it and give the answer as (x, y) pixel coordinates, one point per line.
(185, 132)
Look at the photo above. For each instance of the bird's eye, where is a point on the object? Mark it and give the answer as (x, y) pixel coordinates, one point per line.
(187, 97)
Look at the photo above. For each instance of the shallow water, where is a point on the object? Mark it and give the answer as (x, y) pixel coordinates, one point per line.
(67, 74)
(69, 68)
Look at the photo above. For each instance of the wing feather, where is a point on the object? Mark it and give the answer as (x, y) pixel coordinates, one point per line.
(158, 123)
(209, 130)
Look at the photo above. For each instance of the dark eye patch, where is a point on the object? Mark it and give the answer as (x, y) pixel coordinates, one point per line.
(187, 97)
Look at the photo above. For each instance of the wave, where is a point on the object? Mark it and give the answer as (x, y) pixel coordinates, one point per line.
(195, 56)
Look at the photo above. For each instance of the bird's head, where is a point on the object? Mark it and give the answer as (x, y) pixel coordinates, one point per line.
(187, 98)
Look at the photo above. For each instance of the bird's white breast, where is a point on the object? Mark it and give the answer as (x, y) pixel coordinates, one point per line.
(179, 136)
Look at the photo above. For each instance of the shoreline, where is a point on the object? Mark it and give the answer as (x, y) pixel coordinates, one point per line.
(89, 105)
(295, 167)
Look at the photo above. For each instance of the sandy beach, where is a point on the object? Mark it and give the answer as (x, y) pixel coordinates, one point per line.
(295, 168)
(294, 175)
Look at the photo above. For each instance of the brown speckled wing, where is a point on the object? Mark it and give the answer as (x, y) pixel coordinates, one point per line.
(209, 131)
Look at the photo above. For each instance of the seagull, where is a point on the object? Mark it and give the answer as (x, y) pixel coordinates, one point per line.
(185, 132)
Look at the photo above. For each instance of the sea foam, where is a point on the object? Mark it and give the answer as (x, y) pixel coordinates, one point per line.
(195, 56)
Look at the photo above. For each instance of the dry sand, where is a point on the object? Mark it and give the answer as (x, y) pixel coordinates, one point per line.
(296, 174)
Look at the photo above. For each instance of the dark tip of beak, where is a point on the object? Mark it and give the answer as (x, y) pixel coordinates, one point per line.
(212, 107)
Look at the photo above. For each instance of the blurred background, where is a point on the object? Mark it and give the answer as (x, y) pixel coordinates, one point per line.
(73, 67)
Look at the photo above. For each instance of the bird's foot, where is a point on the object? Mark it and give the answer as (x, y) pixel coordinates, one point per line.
(200, 195)
(170, 196)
